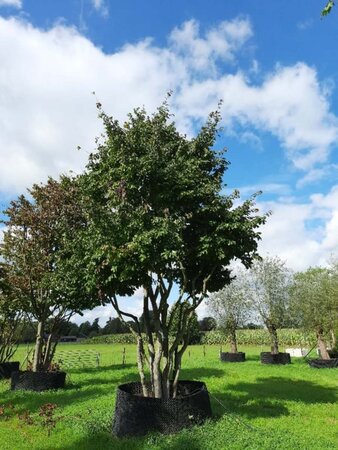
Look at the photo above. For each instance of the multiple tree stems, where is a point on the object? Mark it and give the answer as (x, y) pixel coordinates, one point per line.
(164, 354)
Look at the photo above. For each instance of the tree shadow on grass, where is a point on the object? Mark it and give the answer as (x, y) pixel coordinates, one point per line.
(201, 372)
(228, 404)
(281, 388)
(107, 441)
(267, 396)
(101, 369)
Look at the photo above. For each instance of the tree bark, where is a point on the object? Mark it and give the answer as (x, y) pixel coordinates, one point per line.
(233, 341)
(333, 339)
(37, 360)
(274, 340)
(140, 365)
(322, 345)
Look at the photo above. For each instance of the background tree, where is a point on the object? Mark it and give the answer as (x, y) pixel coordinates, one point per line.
(207, 324)
(193, 325)
(231, 308)
(269, 281)
(114, 326)
(158, 218)
(10, 316)
(40, 251)
(313, 302)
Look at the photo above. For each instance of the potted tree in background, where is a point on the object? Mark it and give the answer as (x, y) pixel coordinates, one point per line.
(269, 281)
(314, 300)
(231, 308)
(158, 220)
(9, 320)
(39, 249)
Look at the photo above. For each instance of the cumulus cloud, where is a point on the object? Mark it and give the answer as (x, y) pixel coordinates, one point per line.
(220, 42)
(13, 3)
(303, 234)
(289, 104)
(46, 109)
(101, 6)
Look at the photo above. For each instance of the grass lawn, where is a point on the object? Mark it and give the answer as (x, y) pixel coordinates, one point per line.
(266, 407)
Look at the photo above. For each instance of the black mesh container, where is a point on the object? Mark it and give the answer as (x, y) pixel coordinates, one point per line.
(333, 353)
(6, 368)
(136, 415)
(279, 358)
(232, 357)
(37, 381)
(324, 363)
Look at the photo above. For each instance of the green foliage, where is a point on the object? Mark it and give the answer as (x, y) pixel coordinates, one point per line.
(328, 7)
(10, 316)
(123, 338)
(156, 207)
(41, 254)
(230, 305)
(314, 296)
(207, 324)
(194, 335)
(268, 290)
(286, 337)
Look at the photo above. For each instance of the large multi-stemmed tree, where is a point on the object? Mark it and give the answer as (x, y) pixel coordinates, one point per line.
(40, 252)
(158, 218)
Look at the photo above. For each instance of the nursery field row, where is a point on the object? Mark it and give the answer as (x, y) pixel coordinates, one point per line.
(287, 337)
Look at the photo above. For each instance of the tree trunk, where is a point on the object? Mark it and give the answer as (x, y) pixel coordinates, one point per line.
(333, 339)
(37, 360)
(233, 341)
(140, 365)
(274, 340)
(322, 345)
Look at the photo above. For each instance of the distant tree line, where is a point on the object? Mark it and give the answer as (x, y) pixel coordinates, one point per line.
(26, 331)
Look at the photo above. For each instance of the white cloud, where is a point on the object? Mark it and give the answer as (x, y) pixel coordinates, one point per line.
(13, 3)
(131, 305)
(289, 104)
(46, 109)
(303, 234)
(220, 42)
(101, 6)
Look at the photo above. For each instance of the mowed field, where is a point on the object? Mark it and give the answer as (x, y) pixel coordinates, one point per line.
(255, 406)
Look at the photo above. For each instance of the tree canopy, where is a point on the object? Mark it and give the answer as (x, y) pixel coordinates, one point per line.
(40, 253)
(314, 298)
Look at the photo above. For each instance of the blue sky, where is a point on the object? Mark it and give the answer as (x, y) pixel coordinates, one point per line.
(273, 63)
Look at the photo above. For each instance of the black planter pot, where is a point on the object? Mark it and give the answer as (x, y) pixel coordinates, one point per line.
(333, 353)
(279, 358)
(232, 357)
(37, 381)
(6, 368)
(136, 415)
(324, 363)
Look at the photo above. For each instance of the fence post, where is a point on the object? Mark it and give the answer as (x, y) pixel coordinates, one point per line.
(124, 356)
(204, 350)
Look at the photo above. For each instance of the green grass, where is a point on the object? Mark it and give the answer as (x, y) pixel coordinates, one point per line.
(266, 407)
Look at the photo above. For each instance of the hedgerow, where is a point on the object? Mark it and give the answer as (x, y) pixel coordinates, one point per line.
(287, 337)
